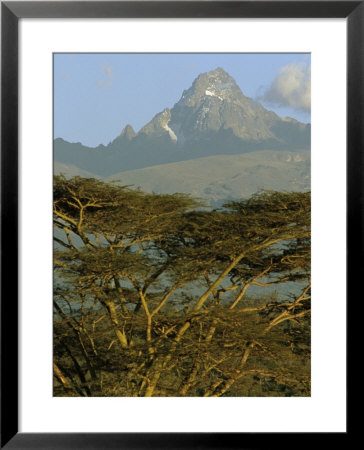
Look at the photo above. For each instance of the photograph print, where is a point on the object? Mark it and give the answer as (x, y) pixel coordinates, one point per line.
(182, 213)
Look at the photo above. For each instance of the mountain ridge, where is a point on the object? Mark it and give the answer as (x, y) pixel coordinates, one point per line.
(212, 117)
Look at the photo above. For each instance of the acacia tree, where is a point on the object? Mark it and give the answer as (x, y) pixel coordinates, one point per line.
(221, 241)
(133, 253)
(106, 253)
(109, 234)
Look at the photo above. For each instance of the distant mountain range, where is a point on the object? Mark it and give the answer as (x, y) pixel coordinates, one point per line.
(214, 142)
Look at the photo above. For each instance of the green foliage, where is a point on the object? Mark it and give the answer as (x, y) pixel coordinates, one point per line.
(151, 298)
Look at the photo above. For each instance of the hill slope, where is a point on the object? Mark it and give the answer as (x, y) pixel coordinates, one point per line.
(217, 178)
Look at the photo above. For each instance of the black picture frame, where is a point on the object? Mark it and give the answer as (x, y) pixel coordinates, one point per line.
(11, 12)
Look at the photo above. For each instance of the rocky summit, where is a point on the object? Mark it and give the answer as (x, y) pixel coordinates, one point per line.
(215, 103)
(212, 117)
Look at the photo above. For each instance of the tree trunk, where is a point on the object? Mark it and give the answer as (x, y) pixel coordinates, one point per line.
(121, 336)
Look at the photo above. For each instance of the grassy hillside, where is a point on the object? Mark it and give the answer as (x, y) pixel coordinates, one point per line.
(225, 177)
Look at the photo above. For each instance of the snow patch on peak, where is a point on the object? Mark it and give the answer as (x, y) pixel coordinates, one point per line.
(212, 94)
(171, 132)
(181, 139)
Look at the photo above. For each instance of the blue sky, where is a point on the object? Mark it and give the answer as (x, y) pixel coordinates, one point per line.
(96, 95)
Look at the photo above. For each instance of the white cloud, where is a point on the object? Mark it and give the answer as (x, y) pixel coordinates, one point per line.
(291, 87)
(106, 82)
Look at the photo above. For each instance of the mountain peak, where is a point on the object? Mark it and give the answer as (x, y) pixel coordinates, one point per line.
(217, 75)
(216, 103)
(158, 126)
(217, 79)
(212, 117)
(216, 85)
(128, 133)
(160, 120)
